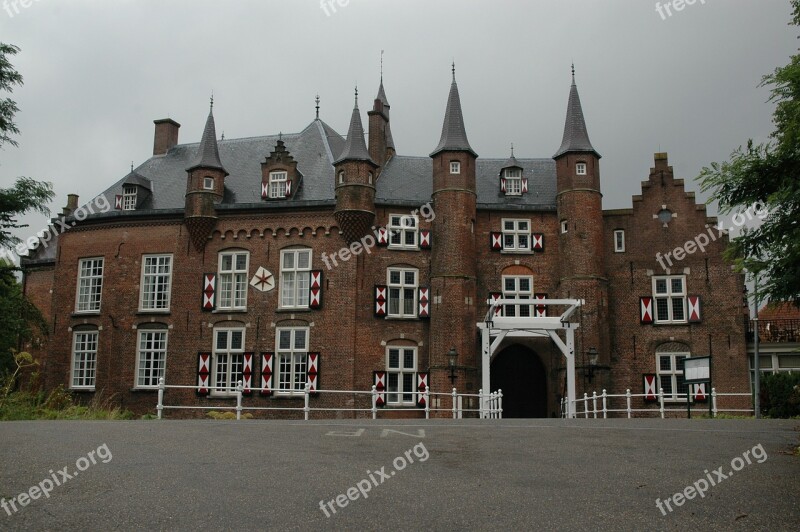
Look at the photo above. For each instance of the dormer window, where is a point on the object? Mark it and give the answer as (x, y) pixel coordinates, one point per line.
(277, 185)
(455, 167)
(513, 178)
(208, 183)
(129, 198)
(580, 169)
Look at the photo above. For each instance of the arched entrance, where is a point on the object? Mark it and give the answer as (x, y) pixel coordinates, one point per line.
(519, 372)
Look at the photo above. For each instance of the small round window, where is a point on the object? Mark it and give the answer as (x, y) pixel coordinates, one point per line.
(664, 216)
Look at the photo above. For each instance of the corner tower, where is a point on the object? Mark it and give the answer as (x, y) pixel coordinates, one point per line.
(381, 143)
(580, 212)
(355, 182)
(205, 185)
(453, 255)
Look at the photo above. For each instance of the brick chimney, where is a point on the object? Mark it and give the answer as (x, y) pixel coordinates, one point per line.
(72, 205)
(166, 135)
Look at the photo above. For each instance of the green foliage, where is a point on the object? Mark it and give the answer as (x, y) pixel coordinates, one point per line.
(780, 395)
(213, 414)
(27, 195)
(768, 176)
(58, 404)
(20, 320)
(8, 108)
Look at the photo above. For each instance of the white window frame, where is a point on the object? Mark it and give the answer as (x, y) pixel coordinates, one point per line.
(519, 235)
(564, 227)
(129, 193)
(232, 282)
(89, 292)
(674, 374)
(403, 231)
(402, 294)
(158, 282)
(580, 169)
(519, 293)
(295, 279)
(232, 365)
(341, 178)
(83, 362)
(277, 184)
(619, 241)
(400, 378)
(206, 181)
(292, 360)
(455, 167)
(513, 177)
(151, 357)
(670, 297)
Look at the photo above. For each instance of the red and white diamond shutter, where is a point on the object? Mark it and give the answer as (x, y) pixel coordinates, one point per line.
(541, 310)
(700, 394)
(496, 241)
(209, 291)
(380, 301)
(264, 190)
(424, 239)
(502, 184)
(650, 391)
(495, 296)
(383, 237)
(203, 373)
(537, 241)
(313, 372)
(315, 290)
(288, 188)
(424, 302)
(118, 202)
(524, 185)
(422, 385)
(694, 309)
(247, 374)
(646, 310)
(267, 360)
(380, 387)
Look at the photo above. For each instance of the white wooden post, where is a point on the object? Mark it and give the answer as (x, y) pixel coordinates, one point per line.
(594, 403)
(374, 402)
(628, 401)
(427, 395)
(661, 401)
(306, 394)
(500, 404)
(160, 405)
(586, 405)
(455, 398)
(239, 400)
(486, 363)
(714, 400)
(481, 401)
(572, 405)
(605, 410)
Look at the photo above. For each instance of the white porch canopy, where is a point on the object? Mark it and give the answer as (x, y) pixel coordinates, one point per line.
(500, 327)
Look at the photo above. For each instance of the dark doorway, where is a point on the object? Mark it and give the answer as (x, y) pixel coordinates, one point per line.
(519, 372)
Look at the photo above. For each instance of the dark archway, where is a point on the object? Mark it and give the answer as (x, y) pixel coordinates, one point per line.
(519, 372)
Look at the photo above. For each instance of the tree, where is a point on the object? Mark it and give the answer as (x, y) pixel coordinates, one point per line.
(8, 108)
(767, 176)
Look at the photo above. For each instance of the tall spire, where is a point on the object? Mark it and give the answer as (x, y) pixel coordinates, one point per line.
(355, 149)
(208, 152)
(454, 134)
(576, 138)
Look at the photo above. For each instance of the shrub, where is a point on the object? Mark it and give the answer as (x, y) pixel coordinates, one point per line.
(780, 395)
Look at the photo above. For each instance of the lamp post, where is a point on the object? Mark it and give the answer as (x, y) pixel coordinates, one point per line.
(593, 356)
(451, 363)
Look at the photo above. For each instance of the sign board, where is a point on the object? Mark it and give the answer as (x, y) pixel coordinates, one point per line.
(697, 370)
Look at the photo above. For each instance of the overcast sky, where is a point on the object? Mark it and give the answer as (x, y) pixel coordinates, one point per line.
(97, 73)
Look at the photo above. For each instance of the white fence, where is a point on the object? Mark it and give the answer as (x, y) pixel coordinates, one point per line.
(590, 405)
(490, 405)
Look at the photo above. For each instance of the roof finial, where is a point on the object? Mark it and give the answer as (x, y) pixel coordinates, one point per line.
(573, 73)
(356, 95)
(223, 136)
(131, 166)
(381, 66)
(454, 70)
(212, 100)
(280, 136)
(317, 100)
(512, 149)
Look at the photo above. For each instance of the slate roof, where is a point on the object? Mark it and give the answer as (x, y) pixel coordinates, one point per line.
(454, 134)
(208, 152)
(355, 148)
(576, 138)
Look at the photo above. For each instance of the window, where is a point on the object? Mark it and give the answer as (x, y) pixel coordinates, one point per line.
(292, 350)
(208, 183)
(129, 197)
(370, 178)
(151, 358)
(233, 269)
(295, 277)
(341, 178)
(670, 375)
(517, 287)
(401, 366)
(455, 167)
(516, 235)
(84, 359)
(402, 293)
(670, 298)
(156, 282)
(228, 360)
(580, 169)
(619, 241)
(403, 231)
(277, 184)
(564, 226)
(90, 285)
(513, 177)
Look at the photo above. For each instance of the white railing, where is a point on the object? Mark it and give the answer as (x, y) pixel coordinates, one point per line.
(490, 406)
(590, 405)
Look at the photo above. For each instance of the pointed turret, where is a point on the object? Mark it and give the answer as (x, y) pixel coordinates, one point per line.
(355, 149)
(208, 152)
(454, 134)
(381, 143)
(576, 138)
